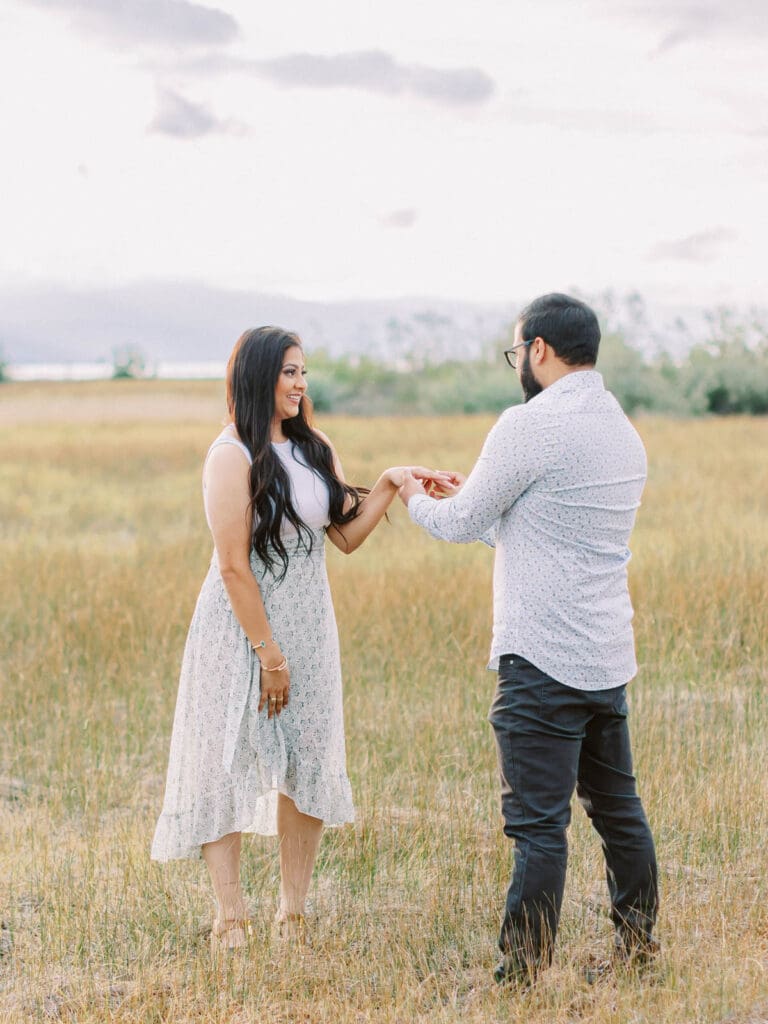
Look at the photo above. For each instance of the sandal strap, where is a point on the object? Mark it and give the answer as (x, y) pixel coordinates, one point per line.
(230, 924)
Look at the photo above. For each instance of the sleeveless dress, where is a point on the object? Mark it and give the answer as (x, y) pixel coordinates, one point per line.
(227, 761)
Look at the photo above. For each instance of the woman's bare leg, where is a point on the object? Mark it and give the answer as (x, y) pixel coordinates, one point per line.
(299, 839)
(223, 860)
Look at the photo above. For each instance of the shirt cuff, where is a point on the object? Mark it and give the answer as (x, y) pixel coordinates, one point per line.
(417, 501)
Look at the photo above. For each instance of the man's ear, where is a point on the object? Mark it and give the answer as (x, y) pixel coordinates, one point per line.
(540, 350)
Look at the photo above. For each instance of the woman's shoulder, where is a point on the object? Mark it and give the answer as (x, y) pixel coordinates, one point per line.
(334, 454)
(222, 448)
(323, 437)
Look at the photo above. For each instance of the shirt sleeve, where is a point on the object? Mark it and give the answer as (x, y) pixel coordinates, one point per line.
(489, 537)
(506, 468)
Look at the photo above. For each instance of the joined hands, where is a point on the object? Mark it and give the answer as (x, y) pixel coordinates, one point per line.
(435, 483)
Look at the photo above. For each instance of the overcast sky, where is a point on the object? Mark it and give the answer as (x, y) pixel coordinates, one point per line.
(486, 151)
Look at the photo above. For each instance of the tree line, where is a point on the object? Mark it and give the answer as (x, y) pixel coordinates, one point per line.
(725, 374)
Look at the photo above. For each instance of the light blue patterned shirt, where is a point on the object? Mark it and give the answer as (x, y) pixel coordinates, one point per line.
(558, 483)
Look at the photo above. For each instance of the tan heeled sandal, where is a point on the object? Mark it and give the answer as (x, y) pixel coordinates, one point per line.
(222, 940)
(291, 928)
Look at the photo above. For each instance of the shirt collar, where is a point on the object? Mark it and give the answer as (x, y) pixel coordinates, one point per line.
(578, 380)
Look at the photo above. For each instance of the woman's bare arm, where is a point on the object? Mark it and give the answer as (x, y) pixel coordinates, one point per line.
(350, 536)
(228, 502)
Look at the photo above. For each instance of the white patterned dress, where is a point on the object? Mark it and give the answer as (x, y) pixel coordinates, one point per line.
(228, 762)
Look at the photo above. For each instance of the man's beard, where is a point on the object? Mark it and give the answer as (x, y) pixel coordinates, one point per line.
(528, 382)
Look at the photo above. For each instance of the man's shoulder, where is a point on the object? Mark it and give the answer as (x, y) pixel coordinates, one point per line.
(511, 412)
(514, 414)
(512, 420)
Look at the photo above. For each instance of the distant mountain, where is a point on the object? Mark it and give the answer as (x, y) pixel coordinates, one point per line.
(186, 322)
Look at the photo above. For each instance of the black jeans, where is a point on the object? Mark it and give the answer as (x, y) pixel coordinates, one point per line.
(551, 739)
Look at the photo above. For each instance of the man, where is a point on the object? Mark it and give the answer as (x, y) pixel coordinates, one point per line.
(557, 486)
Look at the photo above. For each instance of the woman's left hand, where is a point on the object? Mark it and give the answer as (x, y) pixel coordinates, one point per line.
(409, 487)
(433, 480)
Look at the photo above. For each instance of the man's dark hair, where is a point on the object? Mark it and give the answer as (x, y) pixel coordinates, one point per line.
(569, 326)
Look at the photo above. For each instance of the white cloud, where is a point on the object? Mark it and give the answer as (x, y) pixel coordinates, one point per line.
(399, 219)
(630, 120)
(183, 119)
(701, 247)
(173, 23)
(368, 70)
(684, 21)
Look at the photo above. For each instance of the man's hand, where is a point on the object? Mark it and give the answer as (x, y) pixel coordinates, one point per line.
(449, 486)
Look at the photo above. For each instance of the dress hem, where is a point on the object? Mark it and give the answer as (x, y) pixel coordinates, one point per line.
(193, 850)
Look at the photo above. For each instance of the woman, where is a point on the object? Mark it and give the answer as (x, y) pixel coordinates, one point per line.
(258, 734)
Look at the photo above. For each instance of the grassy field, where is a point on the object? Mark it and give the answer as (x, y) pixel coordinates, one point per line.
(103, 547)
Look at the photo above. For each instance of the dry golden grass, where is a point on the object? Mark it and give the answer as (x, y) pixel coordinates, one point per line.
(103, 548)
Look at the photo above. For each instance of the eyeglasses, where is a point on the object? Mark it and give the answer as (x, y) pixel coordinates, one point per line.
(509, 353)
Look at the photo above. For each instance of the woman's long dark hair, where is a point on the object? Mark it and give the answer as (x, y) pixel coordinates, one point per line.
(253, 371)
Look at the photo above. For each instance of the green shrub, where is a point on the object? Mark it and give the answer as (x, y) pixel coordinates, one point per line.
(127, 362)
(726, 374)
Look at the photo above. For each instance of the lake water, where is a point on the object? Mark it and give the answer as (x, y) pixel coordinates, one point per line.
(103, 371)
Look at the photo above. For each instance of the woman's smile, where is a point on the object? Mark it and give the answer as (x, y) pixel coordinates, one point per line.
(291, 384)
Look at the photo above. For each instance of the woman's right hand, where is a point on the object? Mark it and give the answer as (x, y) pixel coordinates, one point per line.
(274, 687)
